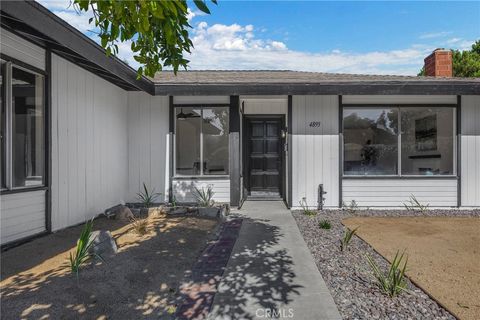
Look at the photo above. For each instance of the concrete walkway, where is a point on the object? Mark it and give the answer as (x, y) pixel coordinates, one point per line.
(271, 273)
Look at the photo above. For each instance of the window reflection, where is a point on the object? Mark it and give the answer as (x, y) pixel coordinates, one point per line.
(27, 128)
(370, 137)
(427, 140)
(215, 141)
(188, 126)
(202, 140)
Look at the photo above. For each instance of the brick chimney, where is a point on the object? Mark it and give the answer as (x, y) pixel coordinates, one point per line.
(439, 63)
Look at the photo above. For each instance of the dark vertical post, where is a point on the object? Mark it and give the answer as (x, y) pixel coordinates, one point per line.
(459, 150)
(171, 132)
(340, 151)
(234, 150)
(48, 140)
(289, 150)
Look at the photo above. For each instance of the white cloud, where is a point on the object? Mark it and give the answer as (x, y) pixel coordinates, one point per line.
(459, 43)
(432, 35)
(237, 47)
(77, 20)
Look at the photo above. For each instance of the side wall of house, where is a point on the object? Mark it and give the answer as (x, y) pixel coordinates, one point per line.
(470, 151)
(148, 144)
(394, 192)
(89, 144)
(22, 214)
(315, 149)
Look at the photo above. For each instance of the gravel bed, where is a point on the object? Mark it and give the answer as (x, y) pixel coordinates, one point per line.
(348, 275)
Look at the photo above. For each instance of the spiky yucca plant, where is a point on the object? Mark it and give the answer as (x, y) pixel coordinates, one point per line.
(347, 237)
(82, 252)
(306, 210)
(147, 197)
(393, 282)
(415, 204)
(205, 197)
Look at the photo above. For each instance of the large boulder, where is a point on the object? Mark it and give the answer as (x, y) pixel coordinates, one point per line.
(122, 213)
(103, 243)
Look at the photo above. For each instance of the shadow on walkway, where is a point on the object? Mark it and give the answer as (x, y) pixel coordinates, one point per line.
(259, 274)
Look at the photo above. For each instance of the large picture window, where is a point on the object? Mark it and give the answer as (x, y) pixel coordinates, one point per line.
(22, 127)
(399, 140)
(201, 140)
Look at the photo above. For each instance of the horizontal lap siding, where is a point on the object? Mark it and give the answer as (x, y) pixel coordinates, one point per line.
(470, 151)
(184, 189)
(396, 192)
(89, 144)
(315, 150)
(23, 50)
(148, 135)
(22, 215)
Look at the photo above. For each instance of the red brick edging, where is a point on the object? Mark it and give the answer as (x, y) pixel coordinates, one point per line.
(198, 293)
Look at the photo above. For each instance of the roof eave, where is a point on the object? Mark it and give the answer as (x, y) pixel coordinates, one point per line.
(323, 88)
(60, 33)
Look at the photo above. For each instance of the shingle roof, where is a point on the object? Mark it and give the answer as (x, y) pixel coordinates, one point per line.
(285, 77)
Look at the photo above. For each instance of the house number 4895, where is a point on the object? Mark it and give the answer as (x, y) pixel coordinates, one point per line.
(314, 124)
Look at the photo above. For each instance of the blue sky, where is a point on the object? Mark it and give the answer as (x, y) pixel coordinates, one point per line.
(348, 37)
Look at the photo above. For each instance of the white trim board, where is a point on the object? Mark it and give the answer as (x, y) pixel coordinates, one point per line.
(399, 99)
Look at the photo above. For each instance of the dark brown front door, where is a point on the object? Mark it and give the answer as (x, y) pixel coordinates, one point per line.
(264, 156)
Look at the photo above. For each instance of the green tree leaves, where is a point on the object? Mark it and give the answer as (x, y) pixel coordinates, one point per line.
(465, 63)
(157, 29)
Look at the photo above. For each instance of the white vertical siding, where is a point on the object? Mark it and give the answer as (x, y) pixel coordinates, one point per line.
(21, 49)
(23, 215)
(148, 136)
(396, 192)
(89, 144)
(470, 151)
(184, 189)
(315, 150)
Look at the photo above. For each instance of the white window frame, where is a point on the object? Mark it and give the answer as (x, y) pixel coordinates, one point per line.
(8, 105)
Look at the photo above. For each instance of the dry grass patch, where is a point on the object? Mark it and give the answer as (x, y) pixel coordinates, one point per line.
(140, 281)
(443, 255)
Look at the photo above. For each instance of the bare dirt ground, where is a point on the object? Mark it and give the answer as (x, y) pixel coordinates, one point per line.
(443, 255)
(140, 281)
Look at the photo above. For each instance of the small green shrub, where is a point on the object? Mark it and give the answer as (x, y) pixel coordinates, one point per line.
(205, 197)
(347, 237)
(147, 197)
(393, 282)
(306, 210)
(352, 207)
(174, 202)
(415, 205)
(82, 252)
(325, 224)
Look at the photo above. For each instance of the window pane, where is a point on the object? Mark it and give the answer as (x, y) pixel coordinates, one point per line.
(2, 123)
(187, 139)
(427, 141)
(215, 141)
(27, 128)
(370, 141)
